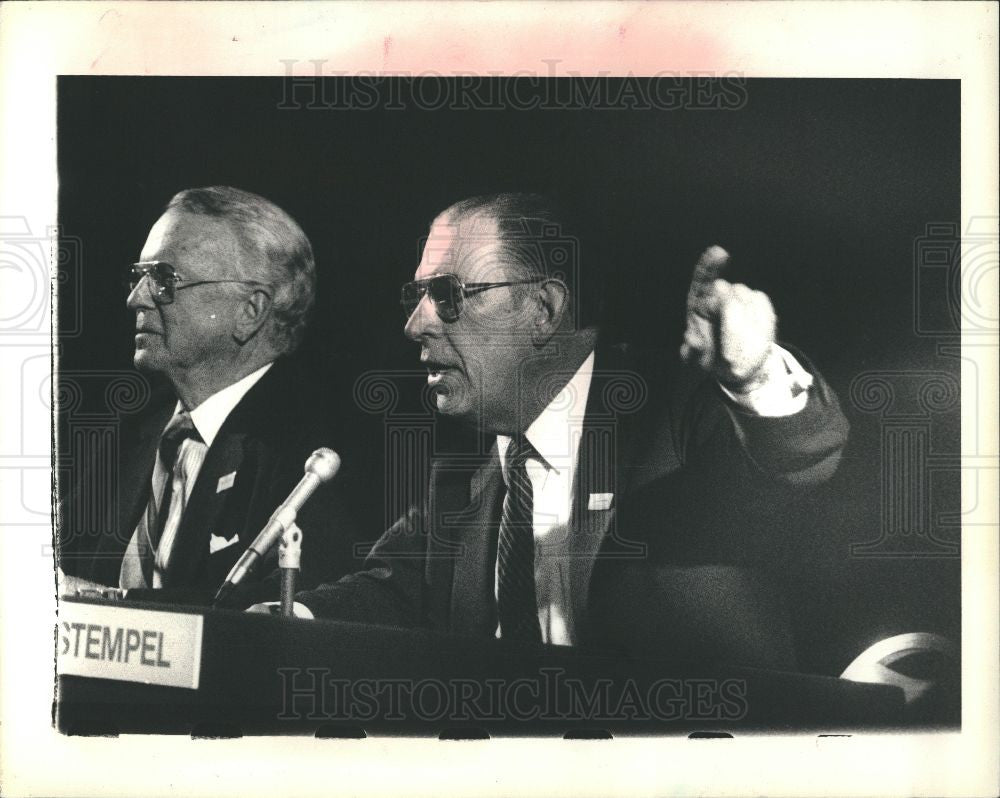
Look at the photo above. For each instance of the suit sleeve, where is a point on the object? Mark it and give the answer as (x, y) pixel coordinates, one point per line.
(797, 450)
(390, 591)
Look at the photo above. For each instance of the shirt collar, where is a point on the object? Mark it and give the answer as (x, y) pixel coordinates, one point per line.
(555, 432)
(210, 415)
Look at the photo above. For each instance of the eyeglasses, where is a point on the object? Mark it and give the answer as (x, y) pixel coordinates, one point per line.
(448, 292)
(165, 281)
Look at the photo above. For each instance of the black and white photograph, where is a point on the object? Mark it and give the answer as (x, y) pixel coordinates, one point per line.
(461, 406)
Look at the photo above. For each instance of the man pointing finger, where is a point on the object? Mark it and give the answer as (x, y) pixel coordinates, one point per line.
(730, 334)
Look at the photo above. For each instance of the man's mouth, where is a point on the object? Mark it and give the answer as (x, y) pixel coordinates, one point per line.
(435, 371)
(144, 337)
(141, 328)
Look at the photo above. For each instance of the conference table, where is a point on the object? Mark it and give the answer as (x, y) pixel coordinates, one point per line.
(135, 667)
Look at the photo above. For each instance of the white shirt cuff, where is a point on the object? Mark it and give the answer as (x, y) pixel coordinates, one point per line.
(784, 391)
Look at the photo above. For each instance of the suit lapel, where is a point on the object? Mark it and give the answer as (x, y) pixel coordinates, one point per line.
(602, 475)
(204, 508)
(590, 519)
(464, 522)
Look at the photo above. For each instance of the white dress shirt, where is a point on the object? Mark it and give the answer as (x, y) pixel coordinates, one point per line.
(555, 435)
(207, 418)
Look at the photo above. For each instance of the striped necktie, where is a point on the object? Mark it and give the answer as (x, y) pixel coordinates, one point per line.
(179, 429)
(517, 605)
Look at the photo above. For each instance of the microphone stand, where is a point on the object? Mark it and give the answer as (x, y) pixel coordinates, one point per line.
(289, 562)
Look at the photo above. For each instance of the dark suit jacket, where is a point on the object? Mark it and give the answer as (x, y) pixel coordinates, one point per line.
(669, 568)
(265, 441)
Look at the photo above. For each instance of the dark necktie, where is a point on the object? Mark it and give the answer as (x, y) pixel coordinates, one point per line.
(517, 605)
(177, 431)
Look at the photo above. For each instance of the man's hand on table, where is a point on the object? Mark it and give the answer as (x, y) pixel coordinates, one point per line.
(75, 585)
(274, 608)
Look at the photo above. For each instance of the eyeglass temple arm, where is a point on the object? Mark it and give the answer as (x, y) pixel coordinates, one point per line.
(422, 285)
(499, 285)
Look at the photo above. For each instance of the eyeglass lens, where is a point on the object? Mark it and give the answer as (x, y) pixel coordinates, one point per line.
(161, 276)
(445, 291)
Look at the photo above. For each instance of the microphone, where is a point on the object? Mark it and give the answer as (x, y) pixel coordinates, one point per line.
(322, 466)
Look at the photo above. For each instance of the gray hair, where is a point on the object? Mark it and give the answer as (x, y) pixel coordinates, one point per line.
(282, 254)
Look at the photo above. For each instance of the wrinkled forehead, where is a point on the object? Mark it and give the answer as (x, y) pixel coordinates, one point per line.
(469, 247)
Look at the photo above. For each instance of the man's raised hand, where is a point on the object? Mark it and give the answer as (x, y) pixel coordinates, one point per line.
(730, 328)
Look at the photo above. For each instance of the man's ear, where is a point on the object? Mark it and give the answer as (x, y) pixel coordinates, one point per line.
(251, 315)
(553, 306)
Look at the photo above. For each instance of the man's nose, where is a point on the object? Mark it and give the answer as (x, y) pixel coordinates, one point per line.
(141, 296)
(423, 321)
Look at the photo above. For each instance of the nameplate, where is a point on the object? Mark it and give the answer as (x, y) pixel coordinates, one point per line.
(129, 645)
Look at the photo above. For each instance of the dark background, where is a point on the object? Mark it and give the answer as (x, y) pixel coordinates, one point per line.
(821, 190)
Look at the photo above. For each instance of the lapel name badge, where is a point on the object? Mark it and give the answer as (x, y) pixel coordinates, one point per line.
(600, 501)
(226, 482)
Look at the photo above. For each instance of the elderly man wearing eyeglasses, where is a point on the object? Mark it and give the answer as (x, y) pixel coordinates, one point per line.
(221, 295)
(614, 506)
